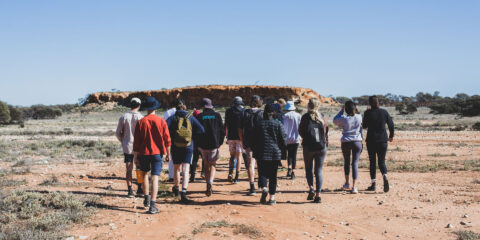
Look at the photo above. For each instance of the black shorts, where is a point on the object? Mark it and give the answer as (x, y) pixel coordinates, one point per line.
(128, 158)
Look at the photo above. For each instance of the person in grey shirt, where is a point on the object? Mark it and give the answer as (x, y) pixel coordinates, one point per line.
(351, 124)
(125, 130)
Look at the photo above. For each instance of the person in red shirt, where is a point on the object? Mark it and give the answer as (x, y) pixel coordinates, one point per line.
(151, 143)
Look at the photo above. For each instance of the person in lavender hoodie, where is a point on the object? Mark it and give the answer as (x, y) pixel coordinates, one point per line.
(291, 122)
(351, 124)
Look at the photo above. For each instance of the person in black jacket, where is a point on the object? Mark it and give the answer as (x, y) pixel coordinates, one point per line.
(314, 132)
(210, 140)
(374, 120)
(233, 124)
(269, 139)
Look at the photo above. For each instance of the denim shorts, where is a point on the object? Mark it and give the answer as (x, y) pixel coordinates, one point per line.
(151, 162)
(128, 158)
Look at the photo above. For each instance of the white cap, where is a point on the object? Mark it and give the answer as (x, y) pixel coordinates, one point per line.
(135, 100)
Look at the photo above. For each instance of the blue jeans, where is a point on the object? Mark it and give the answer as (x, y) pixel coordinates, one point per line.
(314, 163)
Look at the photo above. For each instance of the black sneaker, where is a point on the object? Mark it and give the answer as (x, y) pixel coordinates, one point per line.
(236, 181)
(153, 209)
(317, 200)
(184, 199)
(209, 190)
(289, 173)
(139, 191)
(130, 193)
(263, 199)
(192, 178)
(386, 186)
(272, 202)
(311, 195)
(292, 175)
(252, 192)
(372, 187)
(146, 201)
(175, 191)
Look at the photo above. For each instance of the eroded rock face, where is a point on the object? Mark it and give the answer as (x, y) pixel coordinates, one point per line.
(221, 95)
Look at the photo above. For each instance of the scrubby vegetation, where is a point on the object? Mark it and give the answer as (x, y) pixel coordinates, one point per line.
(33, 215)
(461, 104)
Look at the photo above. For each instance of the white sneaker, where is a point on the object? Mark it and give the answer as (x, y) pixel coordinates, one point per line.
(354, 190)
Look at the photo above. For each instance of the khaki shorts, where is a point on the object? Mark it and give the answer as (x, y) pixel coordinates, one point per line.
(210, 155)
(235, 146)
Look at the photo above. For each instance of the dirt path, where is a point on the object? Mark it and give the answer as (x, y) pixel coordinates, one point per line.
(419, 206)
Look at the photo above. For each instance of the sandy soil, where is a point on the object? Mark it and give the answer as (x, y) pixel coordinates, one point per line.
(419, 205)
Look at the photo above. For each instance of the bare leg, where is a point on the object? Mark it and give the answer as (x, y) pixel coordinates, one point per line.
(176, 175)
(186, 173)
(146, 186)
(239, 160)
(129, 167)
(212, 171)
(154, 187)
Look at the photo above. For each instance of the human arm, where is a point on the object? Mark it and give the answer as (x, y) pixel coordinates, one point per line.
(303, 125)
(167, 140)
(365, 120)
(339, 119)
(391, 127)
(119, 131)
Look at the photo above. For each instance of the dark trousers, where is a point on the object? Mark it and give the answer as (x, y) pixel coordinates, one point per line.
(292, 155)
(193, 167)
(267, 171)
(377, 151)
(314, 165)
(354, 149)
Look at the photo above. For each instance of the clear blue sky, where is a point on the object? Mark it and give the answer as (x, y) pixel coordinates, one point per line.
(55, 52)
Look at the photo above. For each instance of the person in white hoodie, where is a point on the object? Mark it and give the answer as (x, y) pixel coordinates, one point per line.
(125, 130)
(351, 124)
(291, 121)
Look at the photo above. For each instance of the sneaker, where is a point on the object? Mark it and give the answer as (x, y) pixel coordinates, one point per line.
(372, 187)
(354, 190)
(202, 175)
(175, 191)
(230, 177)
(311, 195)
(184, 199)
(252, 192)
(192, 179)
(139, 191)
(209, 190)
(263, 199)
(153, 209)
(292, 175)
(289, 172)
(146, 201)
(346, 187)
(130, 193)
(236, 181)
(272, 202)
(317, 200)
(386, 186)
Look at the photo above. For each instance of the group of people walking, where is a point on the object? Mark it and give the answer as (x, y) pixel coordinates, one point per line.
(261, 137)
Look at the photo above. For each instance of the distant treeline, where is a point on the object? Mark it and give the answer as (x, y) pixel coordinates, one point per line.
(461, 104)
(10, 114)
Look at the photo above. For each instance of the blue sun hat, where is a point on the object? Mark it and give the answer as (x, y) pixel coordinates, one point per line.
(290, 106)
(150, 104)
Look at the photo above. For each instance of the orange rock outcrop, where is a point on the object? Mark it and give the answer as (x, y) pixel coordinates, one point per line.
(221, 95)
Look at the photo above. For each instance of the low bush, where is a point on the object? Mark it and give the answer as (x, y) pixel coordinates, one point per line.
(476, 126)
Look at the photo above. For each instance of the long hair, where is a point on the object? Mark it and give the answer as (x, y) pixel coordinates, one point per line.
(351, 108)
(313, 110)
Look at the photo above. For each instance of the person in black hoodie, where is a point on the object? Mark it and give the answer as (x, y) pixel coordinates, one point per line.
(209, 142)
(269, 139)
(374, 121)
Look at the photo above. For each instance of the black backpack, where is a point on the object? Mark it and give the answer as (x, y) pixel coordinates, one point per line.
(250, 119)
(315, 135)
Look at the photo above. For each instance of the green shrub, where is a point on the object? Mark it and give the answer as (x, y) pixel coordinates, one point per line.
(4, 113)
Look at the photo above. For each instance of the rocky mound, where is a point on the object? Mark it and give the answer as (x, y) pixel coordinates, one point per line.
(221, 95)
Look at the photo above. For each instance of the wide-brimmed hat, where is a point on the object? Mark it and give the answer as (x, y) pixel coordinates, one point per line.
(207, 103)
(150, 104)
(290, 106)
(238, 100)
